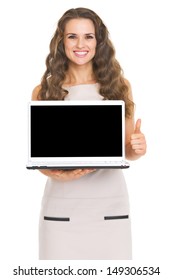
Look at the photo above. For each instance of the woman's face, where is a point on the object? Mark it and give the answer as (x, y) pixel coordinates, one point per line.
(80, 41)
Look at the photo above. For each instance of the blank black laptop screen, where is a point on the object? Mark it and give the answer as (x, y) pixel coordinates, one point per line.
(76, 131)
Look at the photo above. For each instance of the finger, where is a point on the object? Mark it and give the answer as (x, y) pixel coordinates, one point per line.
(137, 138)
(139, 152)
(86, 171)
(137, 147)
(75, 171)
(138, 126)
(56, 171)
(71, 175)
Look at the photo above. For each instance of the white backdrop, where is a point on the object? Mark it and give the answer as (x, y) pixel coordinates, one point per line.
(141, 32)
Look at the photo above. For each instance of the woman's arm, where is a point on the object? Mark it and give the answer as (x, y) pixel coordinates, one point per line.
(135, 142)
(135, 146)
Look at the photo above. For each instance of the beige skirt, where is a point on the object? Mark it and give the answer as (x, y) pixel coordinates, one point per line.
(86, 219)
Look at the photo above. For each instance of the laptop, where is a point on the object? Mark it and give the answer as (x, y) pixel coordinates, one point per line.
(76, 134)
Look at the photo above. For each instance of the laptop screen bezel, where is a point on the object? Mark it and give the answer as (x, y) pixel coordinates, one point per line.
(75, 102)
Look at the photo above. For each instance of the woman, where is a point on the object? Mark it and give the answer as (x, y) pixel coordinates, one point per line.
(82, 65)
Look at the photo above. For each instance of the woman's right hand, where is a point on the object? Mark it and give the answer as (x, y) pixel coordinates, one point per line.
(66, 175)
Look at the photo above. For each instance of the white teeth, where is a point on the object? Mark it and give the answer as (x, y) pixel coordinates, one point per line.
(81, 53)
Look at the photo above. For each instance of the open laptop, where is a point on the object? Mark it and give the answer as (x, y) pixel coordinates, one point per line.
(76, 134)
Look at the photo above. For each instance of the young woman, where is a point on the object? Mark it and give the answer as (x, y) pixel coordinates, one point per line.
(82, 65)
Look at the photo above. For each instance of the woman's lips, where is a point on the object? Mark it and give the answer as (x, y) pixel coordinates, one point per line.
(80, 54)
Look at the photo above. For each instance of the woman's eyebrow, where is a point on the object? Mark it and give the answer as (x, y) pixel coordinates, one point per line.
(76, 34)
(70, 34)
(90, 34)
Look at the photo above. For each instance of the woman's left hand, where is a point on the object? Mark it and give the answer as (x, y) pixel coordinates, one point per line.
(138, 141)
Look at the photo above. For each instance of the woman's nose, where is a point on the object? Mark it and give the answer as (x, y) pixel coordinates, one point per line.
(80, 42)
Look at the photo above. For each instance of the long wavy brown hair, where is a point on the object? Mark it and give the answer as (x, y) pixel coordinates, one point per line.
(106, 68)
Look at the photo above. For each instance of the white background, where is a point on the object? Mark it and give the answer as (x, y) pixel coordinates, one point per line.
(141, 32)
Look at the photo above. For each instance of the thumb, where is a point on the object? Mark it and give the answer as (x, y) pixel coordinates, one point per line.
(138, 126)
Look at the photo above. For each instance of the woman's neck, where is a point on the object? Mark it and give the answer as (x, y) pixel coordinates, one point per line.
(81, 74)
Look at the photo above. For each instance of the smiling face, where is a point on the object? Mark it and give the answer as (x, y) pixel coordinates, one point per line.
(80, 41)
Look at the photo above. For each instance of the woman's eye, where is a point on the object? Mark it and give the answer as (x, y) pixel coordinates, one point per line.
(71, 37)
(89, 37)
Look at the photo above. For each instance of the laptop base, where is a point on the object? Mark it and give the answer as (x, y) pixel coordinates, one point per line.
(78, 167)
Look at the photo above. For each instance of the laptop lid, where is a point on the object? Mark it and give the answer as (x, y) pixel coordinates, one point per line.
(76, 134)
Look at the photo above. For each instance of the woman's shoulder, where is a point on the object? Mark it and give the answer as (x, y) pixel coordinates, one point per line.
(35, 92)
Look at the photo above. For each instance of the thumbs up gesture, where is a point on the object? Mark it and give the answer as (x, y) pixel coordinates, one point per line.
(138, 142)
